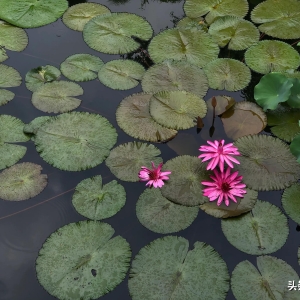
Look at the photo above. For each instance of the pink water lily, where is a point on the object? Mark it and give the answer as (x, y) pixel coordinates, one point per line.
(225, 186)
(219, 153)
(154, 177)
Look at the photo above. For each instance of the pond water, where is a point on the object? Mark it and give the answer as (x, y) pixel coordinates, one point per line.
(25, 225)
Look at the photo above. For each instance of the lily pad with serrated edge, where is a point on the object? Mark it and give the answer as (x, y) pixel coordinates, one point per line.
(75, 141)
(160, 215)
(270, 281)
(115, 33)
(177, 109)
(31, 14)
(9, 77)
(78, 15)
(228, 74)
(6, 96)
(290, 202)
(57, 97)
(215, 8)
(121, 74)
(181, 274)
(83, 260)
(3, 55)
(126, 160)
(134, 118)
(192, 24)
(266, 163)
(223, 103)
(272, 56)
(242, 206)
(173, 75)
(195, 47)
(22, 181)
(184, 186)
(295, 147)
(81, 67)
(32, 127)
(281, 19)
(264, 230)
(96, 201)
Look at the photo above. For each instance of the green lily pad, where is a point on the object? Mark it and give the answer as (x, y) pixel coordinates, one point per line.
(184, 186)
(9, 77)
(195, 47)
(272, 56)
(82, 260)
(294, 99)
(266, 163)
(134, 118)
(96, 201)
(121, 74)
(181, 274)
(115, 33)
(177, 109)
(270, 281)
(32, 127)
(3, 55)
(295, 147)
(81, 67)
(237, 33)
(57, 97)
(228, 74)
(160, 215)
(126, 160)
(22, 181)
(264, 230)
(78, 15)
(223, 103)
(290, 202)
(75, 141)
(6, 96)
(192, 24)
(32, 13)
(173, 75)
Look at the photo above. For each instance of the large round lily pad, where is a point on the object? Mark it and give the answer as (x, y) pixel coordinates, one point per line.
(82, 260)
(263, 230)
(9, 77)
(290, 202)
(22, 181)
(96, 201)
(126, 160)
(166, 269)
(266, 163)
(75, 141)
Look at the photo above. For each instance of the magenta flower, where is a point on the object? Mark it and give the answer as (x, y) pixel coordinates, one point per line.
(154, 177)
(225, 186)
(219, 153)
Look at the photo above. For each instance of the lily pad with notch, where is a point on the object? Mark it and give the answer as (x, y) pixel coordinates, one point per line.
(290, 202)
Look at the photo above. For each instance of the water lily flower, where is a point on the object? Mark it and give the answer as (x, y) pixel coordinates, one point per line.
(225, 186)
(154, 177)
(219, 153)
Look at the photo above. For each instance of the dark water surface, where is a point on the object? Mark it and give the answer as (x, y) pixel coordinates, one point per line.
(25, 225)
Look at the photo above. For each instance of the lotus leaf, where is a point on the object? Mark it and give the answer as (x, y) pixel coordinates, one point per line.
(290, 202)
(294, 99)
(9, 77)
(32, 127)
(295, 147)
(5, 96)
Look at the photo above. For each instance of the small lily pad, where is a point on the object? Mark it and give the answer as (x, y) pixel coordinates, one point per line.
(9, 77)
(6, 96)
(290, 202)
(32, 127)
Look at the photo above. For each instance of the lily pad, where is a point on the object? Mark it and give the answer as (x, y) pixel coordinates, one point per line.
(184, 186)
(195, 47)
(6, 96)
(173, 75)
(134, 118)
(32, 127)
(96, 201)
(57, 97)
(116, 33)
(295, 147)
(22, 181)
(177, 109)
(126, 160)
(31, 13)
(266, 163)
(160, 215)
(294, 99)
(75, 141)
(264, 230)
(81, 67)
(9, 77)
(122, 74)
(223, 103)
(78, 15)
(3, 55)
(272, 56)
(192, 24)
(228, 74)
(181, 274)
(82, 260)
(290, 202)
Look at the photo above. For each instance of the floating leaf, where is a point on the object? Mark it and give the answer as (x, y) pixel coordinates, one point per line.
(122, 74)
(228, 74)
(126, 160)
(3, 55)
(75, 141)
(5, 96)
(272, 56)
(295, 147)
(290, 202)
(82, 260)
(57, 97)
(294, 99)
(9, 77)
(134, 118)
(223, 103)
(266, 163)
(192, 24)
(32, 127)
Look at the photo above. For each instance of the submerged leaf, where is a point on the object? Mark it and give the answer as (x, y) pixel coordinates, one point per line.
(290, 202)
